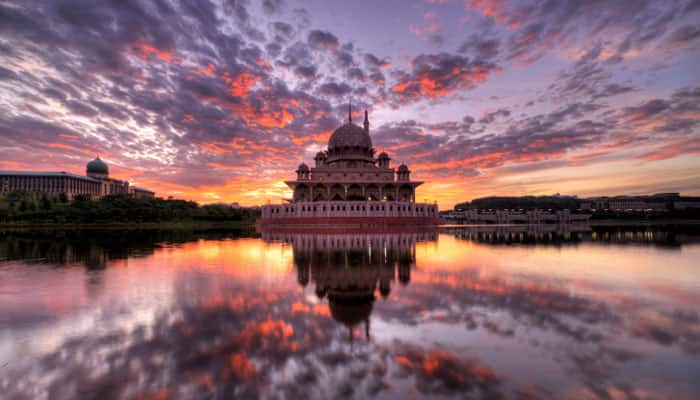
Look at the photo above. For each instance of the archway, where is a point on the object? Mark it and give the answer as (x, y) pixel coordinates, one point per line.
(406, 193)
(337, 192)
(372, 192)
(301, 193)
(354, 193)
(389, 192)
(320, 192)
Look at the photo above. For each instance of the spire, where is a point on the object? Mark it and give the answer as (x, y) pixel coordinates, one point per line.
(349, 113)
(366, 121)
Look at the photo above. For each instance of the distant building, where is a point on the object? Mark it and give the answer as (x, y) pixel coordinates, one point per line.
(96, 183)
(655, 202)
(635, 204)
(140, 192)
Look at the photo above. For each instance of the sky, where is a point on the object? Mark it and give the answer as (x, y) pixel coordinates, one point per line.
(219, 101)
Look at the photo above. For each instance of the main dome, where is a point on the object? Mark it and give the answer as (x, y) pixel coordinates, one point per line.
(350, 135)
(97, 166)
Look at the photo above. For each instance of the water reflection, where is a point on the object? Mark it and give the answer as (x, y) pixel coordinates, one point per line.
(95, 248)
(463, 313)
(672, 237)
(348, 269)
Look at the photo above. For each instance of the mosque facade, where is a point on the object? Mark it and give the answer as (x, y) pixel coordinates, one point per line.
(96, 183)
(348, 183)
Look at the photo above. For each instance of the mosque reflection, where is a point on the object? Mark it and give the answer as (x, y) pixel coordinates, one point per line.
(351, 270)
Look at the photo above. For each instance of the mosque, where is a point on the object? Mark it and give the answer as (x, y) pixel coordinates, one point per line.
(349, 185)
(96, 183)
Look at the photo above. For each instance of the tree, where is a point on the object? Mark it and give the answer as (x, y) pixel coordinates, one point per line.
(45, 202)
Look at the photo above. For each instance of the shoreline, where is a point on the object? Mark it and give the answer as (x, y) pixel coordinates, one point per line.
(209, 225)
(642, 222)
(174, 225)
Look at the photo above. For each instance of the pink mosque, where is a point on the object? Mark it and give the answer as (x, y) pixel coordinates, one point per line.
(349, 185)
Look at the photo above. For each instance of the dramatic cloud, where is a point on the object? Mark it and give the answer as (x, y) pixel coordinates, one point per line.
(322, 40)
(437, 75)
(221, 101)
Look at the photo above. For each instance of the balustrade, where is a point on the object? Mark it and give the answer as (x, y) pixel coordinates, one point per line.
(352, 209)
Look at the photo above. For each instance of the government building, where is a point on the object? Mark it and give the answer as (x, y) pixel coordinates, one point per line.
(348, 184)
(96, 183)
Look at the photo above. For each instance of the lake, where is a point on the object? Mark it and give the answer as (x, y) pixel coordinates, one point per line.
(466, 312)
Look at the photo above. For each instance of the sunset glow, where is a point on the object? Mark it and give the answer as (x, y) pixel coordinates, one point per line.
(488, 97)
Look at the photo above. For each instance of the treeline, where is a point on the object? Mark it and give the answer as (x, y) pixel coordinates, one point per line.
(521, 203)
(25, 207)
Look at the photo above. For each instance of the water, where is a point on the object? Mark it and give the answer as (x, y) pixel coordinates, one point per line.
(475, 313)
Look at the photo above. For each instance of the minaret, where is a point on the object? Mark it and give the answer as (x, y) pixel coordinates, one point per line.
(349, 113)
(366, 122)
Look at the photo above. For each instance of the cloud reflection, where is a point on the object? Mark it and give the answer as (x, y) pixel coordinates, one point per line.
(352, 316)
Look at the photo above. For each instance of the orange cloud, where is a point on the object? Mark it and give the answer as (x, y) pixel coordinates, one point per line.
(268, 119)
(68, 136)
(72, 148)
(241, 367)
(311, 138)
(687, 146)
(432, 83)
(215, 148)
(145, 51)
(205, 71)
(241, 85)
(495, 9)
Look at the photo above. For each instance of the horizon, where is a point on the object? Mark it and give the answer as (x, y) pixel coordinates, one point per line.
(221, 103)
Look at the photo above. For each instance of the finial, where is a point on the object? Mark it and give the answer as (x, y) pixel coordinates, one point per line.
(366, 121)
(349, 113)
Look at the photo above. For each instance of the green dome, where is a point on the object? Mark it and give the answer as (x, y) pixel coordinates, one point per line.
(97, 166)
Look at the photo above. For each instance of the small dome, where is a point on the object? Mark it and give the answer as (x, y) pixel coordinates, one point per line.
(320, 154)
(97, 166)
(303, 167)
(350, 135)
(403, 168)
(350, 309)
(383, 155)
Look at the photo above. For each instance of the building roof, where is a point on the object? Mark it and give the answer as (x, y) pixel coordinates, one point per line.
(350, 135)
(97, 166)
(48, 174)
